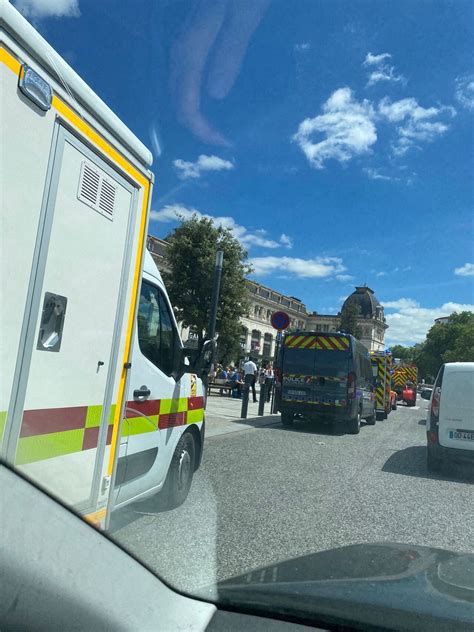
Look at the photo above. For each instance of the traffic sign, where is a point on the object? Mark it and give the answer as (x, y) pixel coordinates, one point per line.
(280, 321)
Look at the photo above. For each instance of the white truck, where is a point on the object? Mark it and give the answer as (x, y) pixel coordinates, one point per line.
(99, 401)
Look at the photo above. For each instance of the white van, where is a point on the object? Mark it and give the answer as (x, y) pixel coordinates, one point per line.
(98, 403)
(450, 421)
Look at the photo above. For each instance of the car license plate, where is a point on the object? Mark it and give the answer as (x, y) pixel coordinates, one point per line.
(464, 435)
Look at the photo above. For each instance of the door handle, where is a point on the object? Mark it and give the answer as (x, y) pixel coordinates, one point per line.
(141, 393)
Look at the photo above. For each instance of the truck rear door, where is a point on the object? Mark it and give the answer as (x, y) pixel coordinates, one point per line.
(65, 391)
(456, 420)
(297, 370)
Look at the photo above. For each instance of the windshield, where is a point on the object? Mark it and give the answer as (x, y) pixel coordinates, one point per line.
(290, 167)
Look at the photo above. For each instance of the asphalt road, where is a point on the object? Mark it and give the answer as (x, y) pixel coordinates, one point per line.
(269, 494)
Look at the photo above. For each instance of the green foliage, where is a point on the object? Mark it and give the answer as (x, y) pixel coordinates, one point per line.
(191, 257)
(445, 342)
(348, 323)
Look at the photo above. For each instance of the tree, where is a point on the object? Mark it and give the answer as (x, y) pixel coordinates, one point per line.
(452, 341)
(348, 323)
(191, 258)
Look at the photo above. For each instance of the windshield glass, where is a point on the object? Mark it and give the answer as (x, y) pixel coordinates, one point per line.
(289, 167)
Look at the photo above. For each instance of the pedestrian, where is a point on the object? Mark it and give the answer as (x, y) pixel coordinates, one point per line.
(235, 381)
(250, 372)
(269, 377)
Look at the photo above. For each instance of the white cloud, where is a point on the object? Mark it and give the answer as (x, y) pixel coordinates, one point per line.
(204, 163)
(48, 8)
(286, 241)
(344, 277)
(374, 174)
(347, 125)
(415, 123)
(376, 60)
(410, 322)
(466, 270)
(319, 267)
(304, 46)
(174, 212)
(464, 91)
(381, 274)
(381, 69)
(402, 303)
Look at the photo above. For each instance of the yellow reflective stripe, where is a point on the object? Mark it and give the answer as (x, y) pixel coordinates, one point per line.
(306, 342)
(337, 342)
(96, 518)
(325, 343)
(10, 61)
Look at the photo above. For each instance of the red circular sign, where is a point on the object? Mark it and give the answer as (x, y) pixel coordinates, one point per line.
(280, 321)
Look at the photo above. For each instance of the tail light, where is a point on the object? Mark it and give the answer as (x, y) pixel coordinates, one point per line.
(434, 406)
(351, 386)
(433, 415)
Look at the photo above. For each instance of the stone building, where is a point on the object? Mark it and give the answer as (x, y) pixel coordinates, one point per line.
(258, 336)
(371, 319)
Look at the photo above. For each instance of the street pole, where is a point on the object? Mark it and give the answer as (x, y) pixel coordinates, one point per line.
(211, 332)
(274, 404)
(215, 294)
(261, 401)
(245, 401)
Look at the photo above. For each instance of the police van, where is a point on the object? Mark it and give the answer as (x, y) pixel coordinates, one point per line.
(325, 377)
(99, 401)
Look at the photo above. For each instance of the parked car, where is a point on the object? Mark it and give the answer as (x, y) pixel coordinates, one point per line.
(425, 392)
(450, 421)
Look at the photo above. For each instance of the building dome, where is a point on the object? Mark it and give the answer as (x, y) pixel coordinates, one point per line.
(365, 299)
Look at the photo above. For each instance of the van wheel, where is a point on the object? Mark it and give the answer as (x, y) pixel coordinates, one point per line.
(394, 405)
(353, 425)
(371, 420)
(180, 475)
(287, 419)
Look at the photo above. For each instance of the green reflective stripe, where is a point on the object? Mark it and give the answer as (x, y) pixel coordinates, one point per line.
(41, 447)
(112, 413)
(139, 425)
(3, 419)
(194, 416)
(178, 405)
(94, 413)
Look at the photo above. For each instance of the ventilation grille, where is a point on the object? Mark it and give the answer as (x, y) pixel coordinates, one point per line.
(97, 190)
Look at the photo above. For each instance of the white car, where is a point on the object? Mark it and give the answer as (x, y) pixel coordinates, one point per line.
(450, 421)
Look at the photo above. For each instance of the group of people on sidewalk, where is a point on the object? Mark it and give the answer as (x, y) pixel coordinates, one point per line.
(248, 374)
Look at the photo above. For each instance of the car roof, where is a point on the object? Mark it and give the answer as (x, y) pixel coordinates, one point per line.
(451, 367)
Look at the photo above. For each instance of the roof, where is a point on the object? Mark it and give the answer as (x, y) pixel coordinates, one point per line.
(366, 300)
(33, 42)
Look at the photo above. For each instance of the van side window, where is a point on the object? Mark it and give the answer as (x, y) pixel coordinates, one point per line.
(156, 332)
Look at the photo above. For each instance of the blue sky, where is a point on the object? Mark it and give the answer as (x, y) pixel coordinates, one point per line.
(334, 138)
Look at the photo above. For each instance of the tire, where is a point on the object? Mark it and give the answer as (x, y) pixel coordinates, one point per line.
(379, 416)
(394, 405)
(353, 425)
(433, 463)
(287, 419)
(180, 473)
(370, 421)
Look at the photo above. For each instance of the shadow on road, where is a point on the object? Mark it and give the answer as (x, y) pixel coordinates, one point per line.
(412, 462)
(422, 422)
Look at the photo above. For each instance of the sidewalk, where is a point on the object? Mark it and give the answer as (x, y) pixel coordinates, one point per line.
(223, 415)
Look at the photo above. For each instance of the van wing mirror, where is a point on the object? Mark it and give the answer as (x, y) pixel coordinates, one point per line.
(197, 361)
